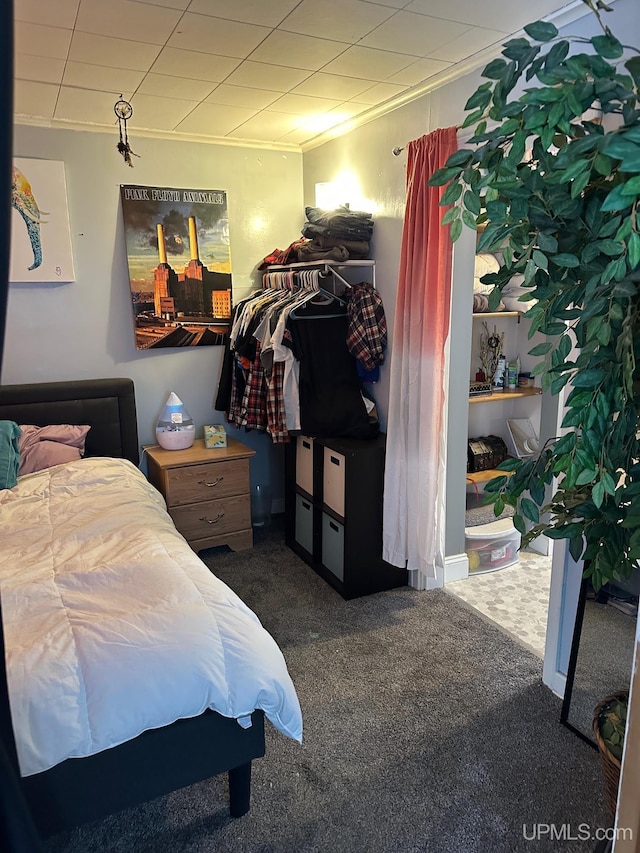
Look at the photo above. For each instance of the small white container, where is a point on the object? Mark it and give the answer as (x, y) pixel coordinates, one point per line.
(493, 546)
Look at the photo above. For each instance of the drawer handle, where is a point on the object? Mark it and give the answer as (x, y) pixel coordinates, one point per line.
(210, 485)
(306, 505)
(335, 460)
(211, 520)
(306, 445)
(334, 527)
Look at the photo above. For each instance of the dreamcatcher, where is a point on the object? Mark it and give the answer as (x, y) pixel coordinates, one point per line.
(124, 111)
(490, 350)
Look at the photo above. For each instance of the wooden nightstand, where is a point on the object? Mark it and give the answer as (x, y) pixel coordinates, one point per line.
(207, 492)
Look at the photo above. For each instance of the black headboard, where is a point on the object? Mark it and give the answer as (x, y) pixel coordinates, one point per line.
(107, 405)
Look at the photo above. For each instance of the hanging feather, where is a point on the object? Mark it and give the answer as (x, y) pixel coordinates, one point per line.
(124, 111)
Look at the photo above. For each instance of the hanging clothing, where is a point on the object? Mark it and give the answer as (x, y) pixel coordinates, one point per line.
(287, 366)
(414, 511)
(331, 402)
(367, 329)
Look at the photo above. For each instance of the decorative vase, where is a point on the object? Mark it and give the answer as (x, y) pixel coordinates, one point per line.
(175, 429)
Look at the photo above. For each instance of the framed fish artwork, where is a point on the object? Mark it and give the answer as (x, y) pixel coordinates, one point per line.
(40, 231)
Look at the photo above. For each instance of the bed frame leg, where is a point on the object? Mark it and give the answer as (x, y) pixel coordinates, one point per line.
(240, 790)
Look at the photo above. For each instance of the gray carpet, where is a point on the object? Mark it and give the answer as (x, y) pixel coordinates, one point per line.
(426, 729)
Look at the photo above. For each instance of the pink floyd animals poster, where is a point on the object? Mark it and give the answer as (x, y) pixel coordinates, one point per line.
(179, 265)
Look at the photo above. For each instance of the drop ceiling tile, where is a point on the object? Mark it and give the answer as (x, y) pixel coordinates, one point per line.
(295, 137)
(119, 53)
(123, 18)
(312, 125)
(40, 40)
(379, 93)
(393, 4)
(282, 48)
(169, 4)
(305, 132)
(416, 34)
(266, 126)
(318, 124)
(322, 85)
(419, 71)
(370, 64)
(350, 109)
(466, 45)
(241, 96)
(166, 86)
(150, 111)
(86, 105)
(42, 69)
(303, 105)
(102, 78)
(214, 119)
(193, 65)
(34, 99)
(259, 75)
(62, 13)
(249, 11)
(499, 14)
(346, 20)
(215, 35)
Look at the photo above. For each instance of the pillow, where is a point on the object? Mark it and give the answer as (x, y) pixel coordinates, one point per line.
(484, 264)
(43, 447)
(9, 454)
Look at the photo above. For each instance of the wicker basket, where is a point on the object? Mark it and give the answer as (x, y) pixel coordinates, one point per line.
(609, 763)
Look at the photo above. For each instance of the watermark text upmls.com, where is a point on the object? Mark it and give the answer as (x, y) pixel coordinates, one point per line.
(570, 832)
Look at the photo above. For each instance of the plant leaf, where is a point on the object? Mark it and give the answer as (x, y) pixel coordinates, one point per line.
(607, 46)
(541, 31)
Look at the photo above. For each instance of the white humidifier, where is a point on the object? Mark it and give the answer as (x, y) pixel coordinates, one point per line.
(175, 429)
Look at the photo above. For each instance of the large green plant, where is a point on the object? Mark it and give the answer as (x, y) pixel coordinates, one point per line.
(554, 175)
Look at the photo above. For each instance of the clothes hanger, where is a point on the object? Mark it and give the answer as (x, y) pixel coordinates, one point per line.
(319, 298)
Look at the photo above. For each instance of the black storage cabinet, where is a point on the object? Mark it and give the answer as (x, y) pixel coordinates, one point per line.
(333, 512)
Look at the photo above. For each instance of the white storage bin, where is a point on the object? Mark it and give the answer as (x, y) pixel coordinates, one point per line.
(333, 481)
(304, 463)
(492, 546)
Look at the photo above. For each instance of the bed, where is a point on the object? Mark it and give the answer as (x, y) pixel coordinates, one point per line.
(105, 768)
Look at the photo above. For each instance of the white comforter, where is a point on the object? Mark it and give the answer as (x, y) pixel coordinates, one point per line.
(113, 625)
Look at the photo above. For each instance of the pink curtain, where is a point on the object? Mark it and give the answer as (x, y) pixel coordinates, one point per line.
(413, 523)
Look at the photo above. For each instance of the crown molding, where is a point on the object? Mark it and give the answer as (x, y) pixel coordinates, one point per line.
(147, 133)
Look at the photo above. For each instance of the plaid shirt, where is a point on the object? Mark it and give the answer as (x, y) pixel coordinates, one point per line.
(367, 328)
(248, 407)
(276, 415)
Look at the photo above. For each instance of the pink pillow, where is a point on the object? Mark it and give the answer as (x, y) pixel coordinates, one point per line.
(43, 447)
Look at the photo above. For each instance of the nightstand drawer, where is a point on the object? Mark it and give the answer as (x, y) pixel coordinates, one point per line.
(212, 518)
(206, 482)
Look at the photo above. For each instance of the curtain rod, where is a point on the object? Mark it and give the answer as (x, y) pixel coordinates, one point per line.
(399, 149)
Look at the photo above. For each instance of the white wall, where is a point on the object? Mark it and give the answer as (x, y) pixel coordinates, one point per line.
(85, 329)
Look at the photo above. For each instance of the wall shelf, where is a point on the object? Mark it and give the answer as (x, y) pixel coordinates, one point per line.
(485, 476)
(486, 314)
(500, 396)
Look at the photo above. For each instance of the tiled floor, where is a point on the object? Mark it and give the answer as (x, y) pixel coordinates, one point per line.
(516, 598)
